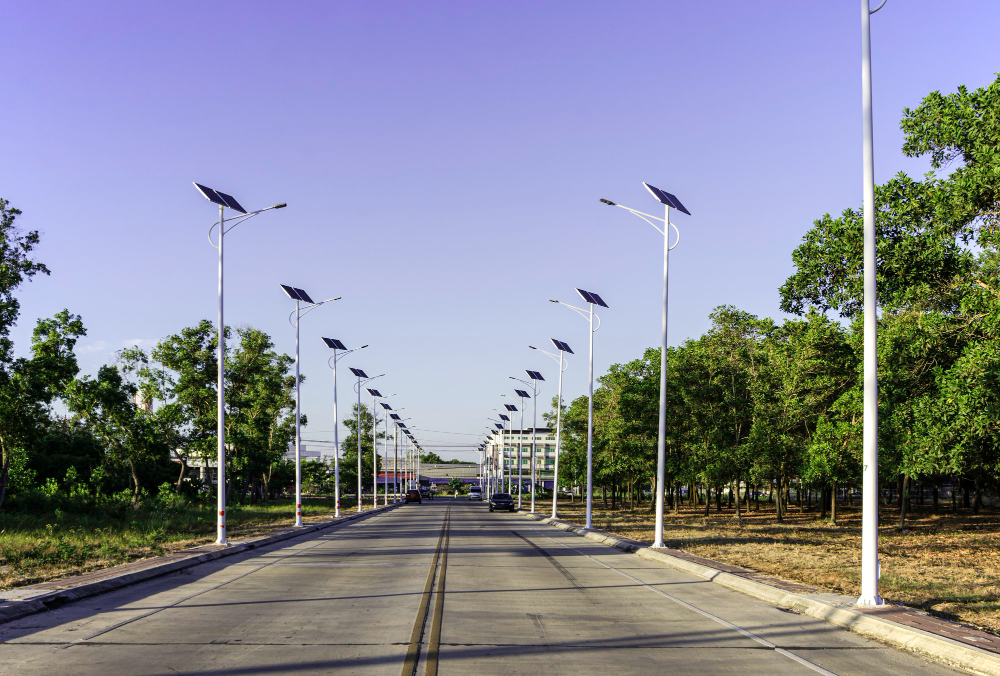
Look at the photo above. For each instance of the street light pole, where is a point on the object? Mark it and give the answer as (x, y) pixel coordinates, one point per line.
(592, 299)
(869, 500)
(563, 365)
(223, 200)
(668, 201)
(298, 295)
(337, 346)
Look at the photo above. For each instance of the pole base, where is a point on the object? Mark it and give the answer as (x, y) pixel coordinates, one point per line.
(870, 601)
(222, 541)
(659, 545)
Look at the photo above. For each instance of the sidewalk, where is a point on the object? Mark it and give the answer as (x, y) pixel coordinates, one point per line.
(900, 626)
(21, 601)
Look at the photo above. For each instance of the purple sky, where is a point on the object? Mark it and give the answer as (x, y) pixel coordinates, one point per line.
(442, 162)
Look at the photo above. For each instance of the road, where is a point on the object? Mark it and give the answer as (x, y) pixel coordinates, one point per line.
(363, 598)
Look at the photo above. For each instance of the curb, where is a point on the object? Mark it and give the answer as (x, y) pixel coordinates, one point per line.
(14, 608)
(925, 643)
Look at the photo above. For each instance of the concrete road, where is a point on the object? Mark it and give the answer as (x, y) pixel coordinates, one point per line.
(365, 598)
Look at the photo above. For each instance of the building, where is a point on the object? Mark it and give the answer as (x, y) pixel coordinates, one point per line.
(545, 453)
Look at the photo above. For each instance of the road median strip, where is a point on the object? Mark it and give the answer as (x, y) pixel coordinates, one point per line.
(833, 608)
(21, 601)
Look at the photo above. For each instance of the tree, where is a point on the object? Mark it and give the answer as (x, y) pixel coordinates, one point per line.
(28, 385)
(431, 457)
(349, 448)
(131, 437)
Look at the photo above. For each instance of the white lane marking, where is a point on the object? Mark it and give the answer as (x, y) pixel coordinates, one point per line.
(704, 613)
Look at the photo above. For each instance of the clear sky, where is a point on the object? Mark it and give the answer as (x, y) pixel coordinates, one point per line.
(442, 162)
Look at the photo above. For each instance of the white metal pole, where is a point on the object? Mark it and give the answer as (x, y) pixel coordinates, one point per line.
(298, 428)
(385, 461)
(395, 464)
(520, 466)
(590, 428)
(661, 435)
(534, 435)
(336, 443)
(220, 537)
(555, 475)
(357, 428)
(869, 501)
(374, 455)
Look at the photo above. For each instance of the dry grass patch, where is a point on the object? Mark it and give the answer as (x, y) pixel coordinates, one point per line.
(944, 564)
(37, 547)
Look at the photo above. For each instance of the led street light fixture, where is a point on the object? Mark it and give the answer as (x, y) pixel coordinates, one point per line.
(522, 394)
(561, 346)
(374, 393)
(534, 375)
(359, 373)
(592, 298)
(335, 344)
(666, 198)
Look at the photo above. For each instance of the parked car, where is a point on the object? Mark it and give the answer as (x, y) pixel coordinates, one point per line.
(426, 492)
(475, 493)
(412, 496)
(502, 501)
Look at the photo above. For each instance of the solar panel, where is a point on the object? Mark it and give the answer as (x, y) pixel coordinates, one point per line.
(304, 296)
(561, 346)
(386, 406)
(292, 293)
(510, 407)
(522, 394)
(374, 393)
(231, 202)
(534, 375)
(503, 417)
(209, 194)
(334, 344)
(666, 198)
(394, 416)
(359, 373)
(498, 426)
(592, 298)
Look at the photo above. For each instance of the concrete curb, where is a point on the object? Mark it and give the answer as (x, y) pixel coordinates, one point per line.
(930, 645)
(12, 608)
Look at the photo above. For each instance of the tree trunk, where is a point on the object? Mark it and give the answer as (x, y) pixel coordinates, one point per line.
(135, 483)
(4, 469)
(824, 500)
(708, 499)
(978, 500)
(954, 496)
(833, 503)
(781, 495)
(904, 499)
(736, 488)
(180, 478)
(934, 496)
(718, 499)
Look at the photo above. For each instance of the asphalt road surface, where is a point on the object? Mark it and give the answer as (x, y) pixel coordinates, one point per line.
(518, 597)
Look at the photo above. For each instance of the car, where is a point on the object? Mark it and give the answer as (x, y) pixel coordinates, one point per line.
(412, 496)
(426, 492)
(475, 493)
(502, 501)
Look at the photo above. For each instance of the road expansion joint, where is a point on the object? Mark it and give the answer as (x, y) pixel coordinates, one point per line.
(413, 652)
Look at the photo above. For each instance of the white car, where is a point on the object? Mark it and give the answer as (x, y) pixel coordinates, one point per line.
(475, 493)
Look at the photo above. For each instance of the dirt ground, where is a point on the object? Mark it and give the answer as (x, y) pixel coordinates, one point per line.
(946, 564)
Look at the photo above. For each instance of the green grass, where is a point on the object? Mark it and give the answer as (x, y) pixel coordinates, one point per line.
(40, 546)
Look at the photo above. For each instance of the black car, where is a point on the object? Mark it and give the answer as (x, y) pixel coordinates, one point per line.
(502, 501)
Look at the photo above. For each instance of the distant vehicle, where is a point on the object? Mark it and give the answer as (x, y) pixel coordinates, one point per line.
(412, 496)
(475, 493)
(426, 492)
(502, 501)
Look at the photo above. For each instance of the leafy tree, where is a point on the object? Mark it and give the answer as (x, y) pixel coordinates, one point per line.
(349, 449)
(431, 457)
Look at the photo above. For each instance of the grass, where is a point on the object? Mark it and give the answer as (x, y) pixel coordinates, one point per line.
(36, 547)
(945, 564)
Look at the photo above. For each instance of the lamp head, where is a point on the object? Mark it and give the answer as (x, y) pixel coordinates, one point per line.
(609, 202)
(533, 347)
(280, 206)
(553, 300)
